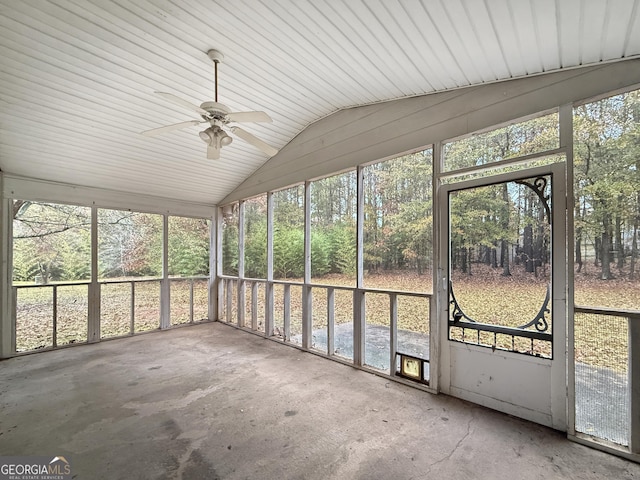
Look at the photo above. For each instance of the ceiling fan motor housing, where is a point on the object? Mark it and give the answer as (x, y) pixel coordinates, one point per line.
(216, 111)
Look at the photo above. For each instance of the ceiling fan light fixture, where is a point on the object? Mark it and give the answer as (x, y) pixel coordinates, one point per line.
(207, 136)
(215, 137)
(225, 139)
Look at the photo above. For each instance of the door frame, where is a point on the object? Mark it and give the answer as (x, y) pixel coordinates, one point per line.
(558, 391)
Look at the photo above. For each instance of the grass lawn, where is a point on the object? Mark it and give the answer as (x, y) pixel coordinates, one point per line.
(34, 315)
(485, 296)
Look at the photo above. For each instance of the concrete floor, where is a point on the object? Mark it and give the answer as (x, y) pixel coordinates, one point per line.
(212, 402)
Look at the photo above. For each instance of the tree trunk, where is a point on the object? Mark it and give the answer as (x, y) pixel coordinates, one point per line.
(618, 239)
(504, 258)
(464, 260)
(606, 248)
(528, 249)
(454, 259)
(487, 255)
(538, 252)
(634, 250)
(634, 241)
(579, 248)
(504, 252)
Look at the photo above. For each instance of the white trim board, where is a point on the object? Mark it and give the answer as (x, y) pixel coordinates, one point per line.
(25, 188)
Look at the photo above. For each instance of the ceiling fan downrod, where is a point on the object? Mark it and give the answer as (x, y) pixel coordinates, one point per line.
(216, 57)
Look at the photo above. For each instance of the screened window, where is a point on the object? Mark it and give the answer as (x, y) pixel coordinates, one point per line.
(398, 222)
(255, 237)
(188, 246)
(51, 242)
(129, 244)
(288, 233)
(230, 225)
(333, 229)
(515, 140)
(607, 202)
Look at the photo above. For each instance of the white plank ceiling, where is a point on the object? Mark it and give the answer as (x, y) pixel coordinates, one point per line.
(77, 76)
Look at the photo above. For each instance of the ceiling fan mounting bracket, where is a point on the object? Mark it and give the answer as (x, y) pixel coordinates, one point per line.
(215, 55)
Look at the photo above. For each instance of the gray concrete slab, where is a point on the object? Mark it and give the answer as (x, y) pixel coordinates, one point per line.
(602, 394)
(212, 402)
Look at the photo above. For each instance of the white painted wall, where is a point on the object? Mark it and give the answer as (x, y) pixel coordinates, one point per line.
(16, 187)
(365, 134)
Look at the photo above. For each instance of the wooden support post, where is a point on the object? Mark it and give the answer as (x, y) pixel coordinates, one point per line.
(191, 300)
(565, 119)
(440, 295)
(393, 332)
(54, 294)
(241, 303)
(229, 312)
(132, 313)
(216, 288)
(93, 327)
(8, 300)
(268, 291)
(220, 292)
(254, 306)
(307, 293)
(358, 327)
(307, 316)
(358, 293)
(14, 310)
(634, 384)
(331, 295)
(165, 286)
(242, 287)
(287, 312)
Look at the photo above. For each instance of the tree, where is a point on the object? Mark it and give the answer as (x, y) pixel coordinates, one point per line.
(288, 236)
(397, 213)
(606, 179)
(188, 246)
(230, 245)
(129, 244)
(255, 237)
(51, 241)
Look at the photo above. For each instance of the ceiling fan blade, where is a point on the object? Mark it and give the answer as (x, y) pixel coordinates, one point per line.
(168, 128)
(183, 103)
(213, 153)
(253, 140)
(249, 117)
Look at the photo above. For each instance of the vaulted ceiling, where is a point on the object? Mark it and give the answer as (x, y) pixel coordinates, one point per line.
(77, 77)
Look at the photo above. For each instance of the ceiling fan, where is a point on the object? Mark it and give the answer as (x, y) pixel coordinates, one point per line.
(218, 116)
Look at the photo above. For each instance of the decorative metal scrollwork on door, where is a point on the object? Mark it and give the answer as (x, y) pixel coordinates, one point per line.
(537, 328)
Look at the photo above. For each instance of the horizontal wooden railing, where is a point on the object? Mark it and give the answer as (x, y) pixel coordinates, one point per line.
(54, 303)
(234, 302)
